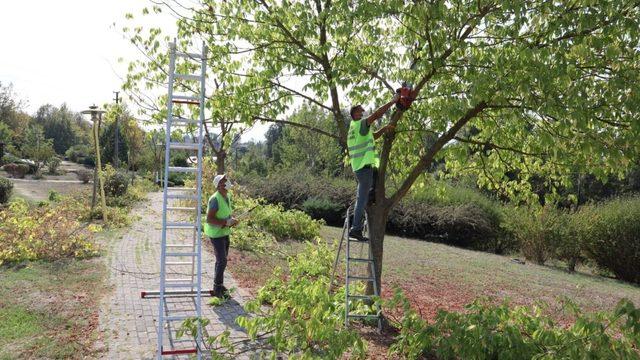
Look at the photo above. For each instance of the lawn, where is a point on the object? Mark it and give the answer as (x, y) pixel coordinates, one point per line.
(436, 276)
(50, 310)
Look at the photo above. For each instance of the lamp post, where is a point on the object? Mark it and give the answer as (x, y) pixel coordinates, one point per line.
(96, 116)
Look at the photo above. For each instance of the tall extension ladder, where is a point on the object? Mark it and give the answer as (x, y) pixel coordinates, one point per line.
(352, 261)
(178, 258)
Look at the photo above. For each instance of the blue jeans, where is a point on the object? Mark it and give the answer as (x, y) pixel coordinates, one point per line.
(221, 250)
(365, 181)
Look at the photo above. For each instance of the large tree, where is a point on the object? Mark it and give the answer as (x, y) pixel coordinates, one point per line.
(524, 87)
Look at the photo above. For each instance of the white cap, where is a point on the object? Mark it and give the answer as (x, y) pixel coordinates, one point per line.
(217, 179)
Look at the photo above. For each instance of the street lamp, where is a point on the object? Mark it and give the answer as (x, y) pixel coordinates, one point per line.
(96, 116)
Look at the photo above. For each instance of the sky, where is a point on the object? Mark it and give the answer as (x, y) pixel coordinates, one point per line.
(67, 51)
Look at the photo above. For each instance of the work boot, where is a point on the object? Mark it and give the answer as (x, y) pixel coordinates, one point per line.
(220, 291)
(357, 235)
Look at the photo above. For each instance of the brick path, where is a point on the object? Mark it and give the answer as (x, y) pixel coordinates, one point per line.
(128, 323)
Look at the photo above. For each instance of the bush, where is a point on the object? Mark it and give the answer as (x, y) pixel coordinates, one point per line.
(289, 224)
(53, 164)
(487, 331)
(6, 187)
(539, 231)
(304, 320)
(115, 182)
(16, 170)
(48, 232)
(322, 208)
(84, 175)
(77, 153)
(611, 236)
(54, 196)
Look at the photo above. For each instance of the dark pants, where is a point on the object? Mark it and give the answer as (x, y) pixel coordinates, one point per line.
(221, 250)
(366, 184)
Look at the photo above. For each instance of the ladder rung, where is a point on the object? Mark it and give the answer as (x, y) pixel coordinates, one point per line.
(177, 286)
(179, 208)
(187, 77)
(182, 169)
(188, 55)
(177, 318)
(179, 225)
(179, 246)
(181, 189)
(358, 241)
(177, 280)
(179, 263)
(360, 260)
(368, 316)
(179, 352)
(181, 254)
(182, 120)
(182, 197)
(365, 278)
(361, 297)
(180, 99)
(184, 146)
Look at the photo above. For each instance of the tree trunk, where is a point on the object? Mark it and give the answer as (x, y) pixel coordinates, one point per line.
(377, 222)
(220, 158)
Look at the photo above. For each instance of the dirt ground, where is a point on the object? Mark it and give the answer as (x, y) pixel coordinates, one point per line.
(37, 190)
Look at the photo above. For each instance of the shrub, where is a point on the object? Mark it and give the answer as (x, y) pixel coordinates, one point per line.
(84, 175)
(304, 320)
(326, 209)
(538, 230)
(6, 187)
(53, 164)
(285, 224)
(487, 331)
(611, 235)
(17, 170)
(48, 232)
(54, 195)
(77, 153)
(115, 182)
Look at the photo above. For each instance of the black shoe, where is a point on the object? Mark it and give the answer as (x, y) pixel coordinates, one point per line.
(357, 235)
(220, 291)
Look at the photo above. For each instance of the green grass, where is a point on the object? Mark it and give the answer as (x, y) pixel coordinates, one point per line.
(49, 310)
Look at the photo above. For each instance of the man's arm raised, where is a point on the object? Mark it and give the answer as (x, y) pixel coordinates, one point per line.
(382, 109)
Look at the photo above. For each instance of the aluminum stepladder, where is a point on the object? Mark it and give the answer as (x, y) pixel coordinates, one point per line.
(179, 258)
(352, 262)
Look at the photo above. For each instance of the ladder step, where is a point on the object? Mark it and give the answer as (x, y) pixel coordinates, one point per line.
(177, 286)
(360, 260)
(180, 99)
(361, 297)
(179, 208)
(368, 316)
(177, 318)
(177, 280)
(182, 169)
(179, 225)
(183, 146)
(181, 189)
(179, 263)
(181, 254)
(365, 278)
(182, 197)
(189, 55)
(358, 241)
(179, 246)
(187, 77)
(181, 120)
(179, 351)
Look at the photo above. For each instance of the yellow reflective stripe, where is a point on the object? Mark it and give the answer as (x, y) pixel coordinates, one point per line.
(360, 146)
(362, 153)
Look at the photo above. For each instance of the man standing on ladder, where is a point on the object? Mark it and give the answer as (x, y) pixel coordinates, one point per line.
(364, 158)
(218, 228)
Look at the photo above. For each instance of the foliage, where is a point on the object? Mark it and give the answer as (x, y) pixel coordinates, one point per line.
(36, 147)
(284, 224)
(323, 208)
(302, 319)
(54, 196)
(84, 175)
(6, 186)
(78, 153)
(115, 182)
(16, 170)
(48, 232)
(610, 234)
(538, 230)
(488, 331)
(52, 164)
(59, 125)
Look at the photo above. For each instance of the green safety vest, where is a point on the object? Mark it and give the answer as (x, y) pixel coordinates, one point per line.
(223, 213)
(362, 150)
